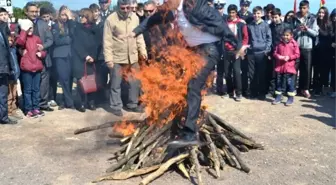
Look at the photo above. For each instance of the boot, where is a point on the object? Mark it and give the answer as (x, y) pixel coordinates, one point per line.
(277, 99)
(290, 101)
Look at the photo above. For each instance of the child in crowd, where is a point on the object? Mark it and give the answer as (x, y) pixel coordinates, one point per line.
(31, 67)
(260, 40)
(286, 53)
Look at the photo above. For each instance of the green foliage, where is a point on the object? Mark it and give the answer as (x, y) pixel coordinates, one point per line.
(46, 4)
(18, 13)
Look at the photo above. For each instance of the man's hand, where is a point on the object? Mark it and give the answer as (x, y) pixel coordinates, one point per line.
(39, 54)
(110, 65)
(286, 58)
(143, 57)
(89, 59)
(242, 52)
(280, 57)
(68, 14)
(40, 47)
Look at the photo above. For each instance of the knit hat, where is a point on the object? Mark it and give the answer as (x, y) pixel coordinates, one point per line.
(25, 24)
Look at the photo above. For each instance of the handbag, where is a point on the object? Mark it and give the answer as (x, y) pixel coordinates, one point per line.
(88, 82)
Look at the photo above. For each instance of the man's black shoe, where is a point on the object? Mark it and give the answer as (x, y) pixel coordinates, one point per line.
(46, 109)
(137, 109)
(61, 107)
(9, 122)
(115, 112)
(81, 108)
(187, 139)
(92, 107)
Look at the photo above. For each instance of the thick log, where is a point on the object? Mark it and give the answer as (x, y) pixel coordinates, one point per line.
(214, 156)
(127, 174)
(195, 162)
(229, 127)
(146, 153)
(233, 150)
(105, 125)
(229, 157)
(221, 158)
(163, 168)
(130, 163)
(139, 148)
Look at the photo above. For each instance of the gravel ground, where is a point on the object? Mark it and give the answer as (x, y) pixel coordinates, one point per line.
(299, 146)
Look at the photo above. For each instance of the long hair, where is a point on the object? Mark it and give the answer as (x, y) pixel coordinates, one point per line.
(324, 22)
(60, 24)
(289, 12)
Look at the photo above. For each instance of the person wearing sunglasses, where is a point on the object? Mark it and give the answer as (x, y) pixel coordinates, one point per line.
(122, 53)
(306, 32)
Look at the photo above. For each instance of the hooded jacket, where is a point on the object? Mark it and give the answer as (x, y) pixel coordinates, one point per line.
(30, 62)
(306, 39)
(290, 49)
(260, 37)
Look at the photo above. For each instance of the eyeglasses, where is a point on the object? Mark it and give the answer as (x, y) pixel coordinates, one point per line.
(125, 8)
(148, 11)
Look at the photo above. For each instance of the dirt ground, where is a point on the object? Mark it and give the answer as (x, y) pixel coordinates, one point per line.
(300, 146)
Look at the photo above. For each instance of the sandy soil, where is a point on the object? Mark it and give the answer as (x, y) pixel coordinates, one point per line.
(300, 146)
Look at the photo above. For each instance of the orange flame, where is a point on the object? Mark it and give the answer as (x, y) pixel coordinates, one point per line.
(124, 128)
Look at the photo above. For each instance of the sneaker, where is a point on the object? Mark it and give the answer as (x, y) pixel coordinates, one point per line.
(225, 95)
(116, 112)
(239, 98)
(38, 112)
(277, 100)
(137, 109)
(333, 95)
(31, 114)
(52, 103)
(306, 93)
(290, 101)
(16, 116)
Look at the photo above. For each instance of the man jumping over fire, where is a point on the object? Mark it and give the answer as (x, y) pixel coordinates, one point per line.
(203, 28)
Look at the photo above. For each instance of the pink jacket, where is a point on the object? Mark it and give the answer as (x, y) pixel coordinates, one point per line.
(290, 49)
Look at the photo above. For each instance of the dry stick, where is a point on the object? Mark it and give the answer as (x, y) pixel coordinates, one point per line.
(129, 164)
(246, 142)
(131, 142)
(214, 154)
(143, 135)
(146, 153)
(163, 168)
(139, 148)
(228, 126)
(243, 166)
(229, 157)
(220, 157)
(195, 162)
(183, 169)
(105, 125)
(127, 174)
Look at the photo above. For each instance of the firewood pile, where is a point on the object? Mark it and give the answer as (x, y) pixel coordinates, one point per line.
(146, 152)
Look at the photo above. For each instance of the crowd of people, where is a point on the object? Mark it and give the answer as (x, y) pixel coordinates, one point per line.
(270, 53)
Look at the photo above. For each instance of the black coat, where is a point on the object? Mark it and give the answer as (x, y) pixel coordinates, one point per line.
(4, 49)
(62, 41)
(84, 44)
(99, 39)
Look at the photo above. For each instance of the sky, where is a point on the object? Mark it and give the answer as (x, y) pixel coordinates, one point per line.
(284, 5)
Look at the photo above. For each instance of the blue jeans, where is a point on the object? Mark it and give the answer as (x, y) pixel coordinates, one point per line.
(285, 80)
(31, 90)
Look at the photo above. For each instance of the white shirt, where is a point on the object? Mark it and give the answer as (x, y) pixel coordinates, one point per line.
(194, 36)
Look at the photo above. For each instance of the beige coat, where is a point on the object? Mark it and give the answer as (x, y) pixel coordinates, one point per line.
(118, 48)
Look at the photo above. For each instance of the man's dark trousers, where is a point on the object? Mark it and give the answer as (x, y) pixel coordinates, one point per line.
(63, 68)
(305, 68)
(257, 69)
(45, 87)
(3, 98)
(212, 56)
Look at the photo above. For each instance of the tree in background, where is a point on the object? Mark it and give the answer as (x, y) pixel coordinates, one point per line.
(46, 4)
(18, 13)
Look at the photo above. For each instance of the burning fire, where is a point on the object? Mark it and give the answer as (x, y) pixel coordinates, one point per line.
(124, 128)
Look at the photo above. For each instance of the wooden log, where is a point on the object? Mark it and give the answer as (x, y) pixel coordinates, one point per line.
(131, 142)
(214, 155)
(143, 135)
(194, 159)
(221, 159)
(115, 135)
(163, 168)
(229, 157)
(130, 163)
(139, 148)
(234, 151)
(127, 174)
(247, 142)
(229, 127)
(146, 153)
(183, 169)
(105, 125)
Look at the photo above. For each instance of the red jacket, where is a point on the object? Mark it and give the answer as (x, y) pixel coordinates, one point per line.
(239, 29)
(290, 49)
(30, 61)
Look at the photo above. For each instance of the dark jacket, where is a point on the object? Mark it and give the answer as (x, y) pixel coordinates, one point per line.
(198, 13)
(83, 44)
(4, 49)
(240, 32)
(14, 76)
(62, 41)
(30, 62)
(99, 39)
(43, 31)
(247, 17)
(325, 33)
(260, 37)
(277, 30)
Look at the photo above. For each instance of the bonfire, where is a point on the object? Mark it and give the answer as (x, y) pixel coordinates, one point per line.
(145, 149)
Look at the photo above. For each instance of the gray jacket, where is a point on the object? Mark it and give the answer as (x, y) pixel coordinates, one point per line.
(305, 39)
(260, 37)
(62, 41)
(46, 36)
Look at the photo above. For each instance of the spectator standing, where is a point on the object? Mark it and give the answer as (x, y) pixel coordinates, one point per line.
(333, 38)
(31, 67)
(244, 13)
(61, 31)
(305, 32)
(291, 20)
(140, 11)
(42, 31)
(277, 27)
(45, 15)
(121, 55)
(260, 39)
(220, 5)
(285, 53)
(268, 13)
(104, 9)
(84, 50)
(323, 52)
(5, 68)
(231, 62)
